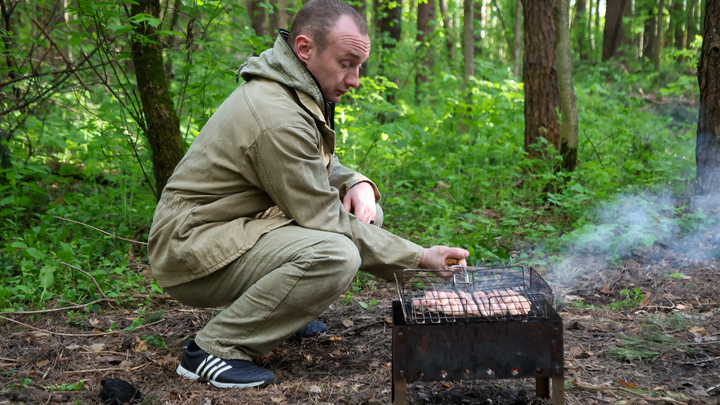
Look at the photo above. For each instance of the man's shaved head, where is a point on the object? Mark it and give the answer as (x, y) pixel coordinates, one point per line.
(317, 18)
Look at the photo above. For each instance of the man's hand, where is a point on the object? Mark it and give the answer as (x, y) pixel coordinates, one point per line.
(434, 258)
(360, 201)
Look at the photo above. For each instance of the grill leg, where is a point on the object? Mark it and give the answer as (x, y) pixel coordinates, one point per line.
(542, 387)
(558, 390)
(399, 392)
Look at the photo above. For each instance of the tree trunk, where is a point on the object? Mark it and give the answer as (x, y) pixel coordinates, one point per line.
(590, 41)
(678, 20)
(568, 108)
(612, 34)
(628, 38)
(447, 25)
(258, 17)
(478, 25)
(425, 17)
(518, 38)
(542, 98)
(596, 32)
(6, 11)
(161, 120)
(649, 37)
(468, 41)
(690, 24)
(390, 22)
(581, 28)
(659, 35)
(707, 148)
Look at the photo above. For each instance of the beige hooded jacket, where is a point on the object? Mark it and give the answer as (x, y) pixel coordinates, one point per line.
(265, 159)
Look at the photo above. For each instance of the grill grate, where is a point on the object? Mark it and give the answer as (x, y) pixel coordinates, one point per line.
(461, 296)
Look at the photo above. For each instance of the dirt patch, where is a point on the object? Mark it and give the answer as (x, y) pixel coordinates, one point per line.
(663, 344)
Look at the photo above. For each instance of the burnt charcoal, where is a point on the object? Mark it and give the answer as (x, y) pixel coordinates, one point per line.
(118, 392)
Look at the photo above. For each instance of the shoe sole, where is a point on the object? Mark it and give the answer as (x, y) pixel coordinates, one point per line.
(183, 372)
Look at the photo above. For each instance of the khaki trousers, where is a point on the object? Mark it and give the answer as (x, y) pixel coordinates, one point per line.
(281, 284)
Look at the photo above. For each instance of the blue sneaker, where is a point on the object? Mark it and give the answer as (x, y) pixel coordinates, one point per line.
(197, 363)
(312, 329)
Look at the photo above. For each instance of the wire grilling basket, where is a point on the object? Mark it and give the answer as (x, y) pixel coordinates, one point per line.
(474, 294)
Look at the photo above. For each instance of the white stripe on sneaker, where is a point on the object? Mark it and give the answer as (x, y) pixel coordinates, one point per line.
(211, 370)
(220, 371)
(202, 370)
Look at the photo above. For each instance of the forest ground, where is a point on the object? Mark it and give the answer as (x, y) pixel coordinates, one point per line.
(351, 364)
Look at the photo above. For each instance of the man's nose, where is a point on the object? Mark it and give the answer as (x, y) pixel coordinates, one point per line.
(353, 78)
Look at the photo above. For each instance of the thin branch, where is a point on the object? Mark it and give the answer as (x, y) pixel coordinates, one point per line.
(108, 369)
(45, 311)
(87, 274)
(80, 334)
(593, 146)
(62, 55)
(100, 230)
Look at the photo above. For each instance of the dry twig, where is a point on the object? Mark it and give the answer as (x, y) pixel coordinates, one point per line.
(591, 387)
(44, 311)
(89, 275)
(100, 230)
(79, 334)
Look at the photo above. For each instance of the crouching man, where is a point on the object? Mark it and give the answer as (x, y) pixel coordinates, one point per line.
(261, 217)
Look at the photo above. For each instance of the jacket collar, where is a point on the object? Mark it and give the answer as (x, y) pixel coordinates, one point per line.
(281, 64)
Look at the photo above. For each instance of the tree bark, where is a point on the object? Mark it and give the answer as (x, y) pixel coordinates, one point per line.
(468, 41)
(542, 98)
(613, 32)
(425, 17)
(590, 29)
(6, 11)
(161, 121)
(628, 38)
(690, 26)
(568, 108)
(390, 22)
(659, 35)
(581, 16)
(447, 25)
(678, 20)
(478, 26)
(649, 36)
(274, 18)
(596, 32)
(258, 17)
(707, 148)
(518, 38)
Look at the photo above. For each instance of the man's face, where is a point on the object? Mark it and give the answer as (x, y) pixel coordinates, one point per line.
(337, 68)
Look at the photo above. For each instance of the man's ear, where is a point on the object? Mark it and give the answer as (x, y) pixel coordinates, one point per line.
(304, 47)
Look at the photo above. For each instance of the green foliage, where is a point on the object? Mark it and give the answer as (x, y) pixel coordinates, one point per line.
(653, 339)
(449, 160)
(632, 298)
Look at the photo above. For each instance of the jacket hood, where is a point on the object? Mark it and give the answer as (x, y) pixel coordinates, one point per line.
(280, 64)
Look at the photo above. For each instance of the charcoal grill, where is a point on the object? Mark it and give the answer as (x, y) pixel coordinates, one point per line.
(473, 341)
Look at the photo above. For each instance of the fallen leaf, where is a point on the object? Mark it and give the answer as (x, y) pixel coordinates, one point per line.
(680, 306)
(627, 384)
(40, 334)
(348, 323)
(93, 322)
(141, 345)
(570, 297)
(605, 289)
(697, 329)
(697, 338)
(315, 389)
(125, 364)
(388, 320)
(277, 400)
(644, 302)
(96, 347)
(445, 385)
(43, 363)
(334, 338)
(72, 347)
(309, 357)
